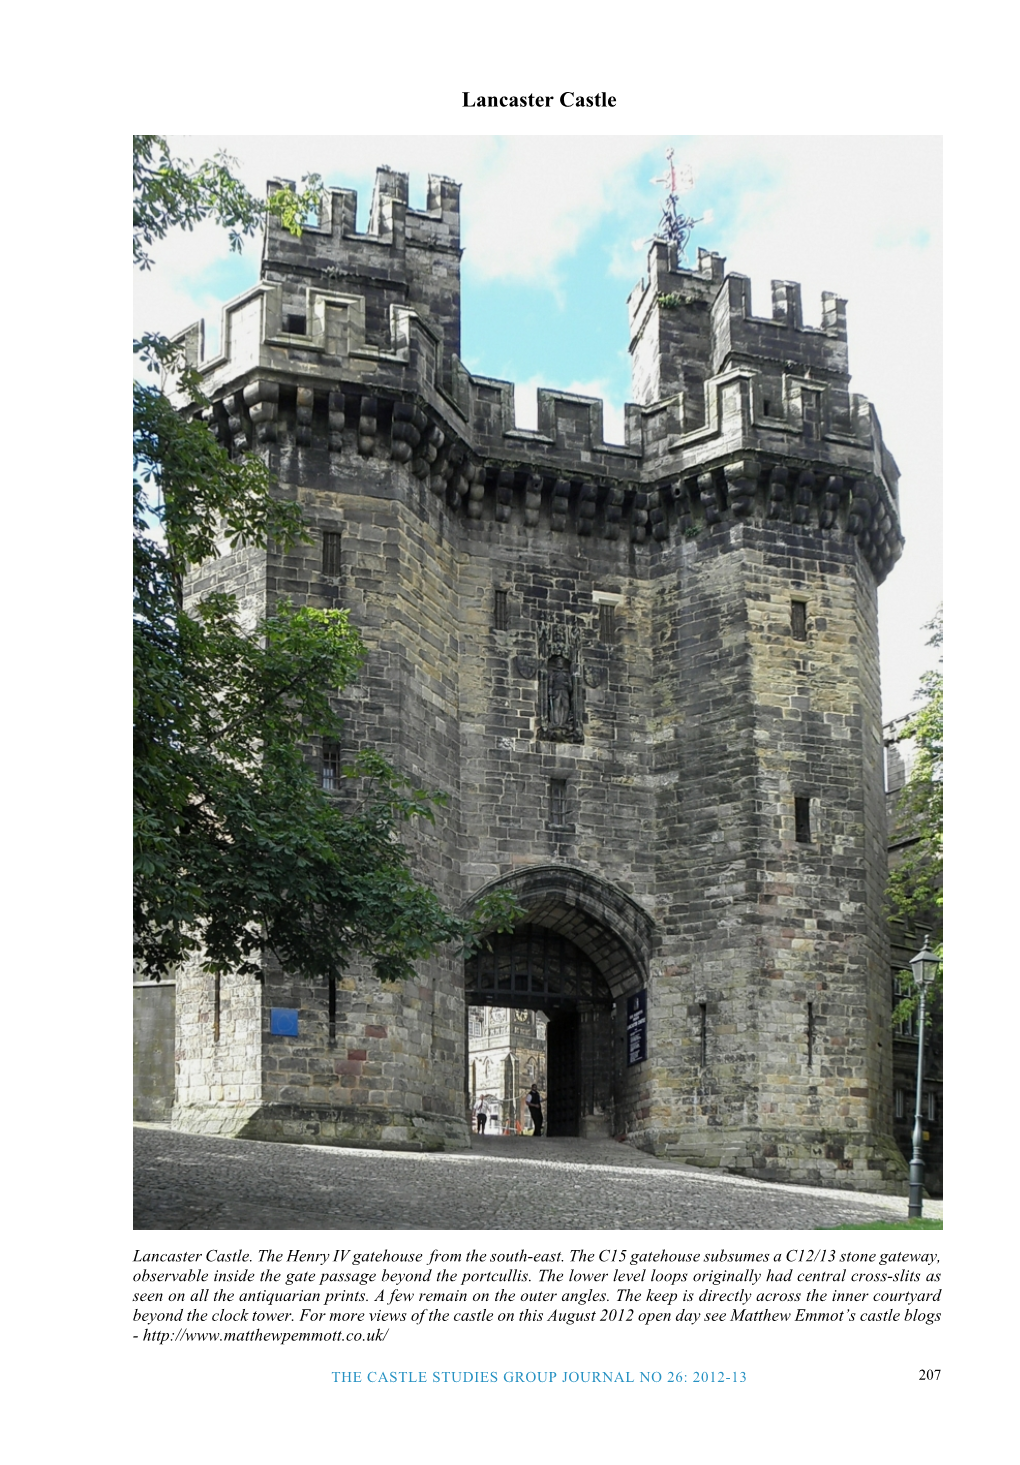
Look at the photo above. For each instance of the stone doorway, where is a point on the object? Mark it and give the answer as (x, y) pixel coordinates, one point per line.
(538, 970)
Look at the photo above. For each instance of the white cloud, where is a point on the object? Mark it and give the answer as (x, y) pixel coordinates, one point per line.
(535, 197)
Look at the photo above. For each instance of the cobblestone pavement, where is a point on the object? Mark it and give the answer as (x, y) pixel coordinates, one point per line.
(190, 1182)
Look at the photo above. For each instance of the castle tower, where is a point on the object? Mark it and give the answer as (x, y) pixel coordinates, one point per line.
(647, 676)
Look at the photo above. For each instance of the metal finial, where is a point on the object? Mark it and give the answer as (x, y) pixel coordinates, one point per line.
(675, 227)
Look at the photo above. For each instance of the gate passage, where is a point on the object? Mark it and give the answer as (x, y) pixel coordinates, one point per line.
(538, 968)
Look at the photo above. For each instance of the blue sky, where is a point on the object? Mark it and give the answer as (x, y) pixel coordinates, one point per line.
(549, 228)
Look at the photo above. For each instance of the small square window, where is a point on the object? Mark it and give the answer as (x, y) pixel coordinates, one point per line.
(295, 325)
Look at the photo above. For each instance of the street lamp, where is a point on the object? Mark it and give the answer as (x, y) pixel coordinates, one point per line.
(923, 967)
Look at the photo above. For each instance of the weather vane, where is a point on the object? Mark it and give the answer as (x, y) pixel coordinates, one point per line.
(676, 227)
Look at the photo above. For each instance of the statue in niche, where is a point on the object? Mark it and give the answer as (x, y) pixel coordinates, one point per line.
(560, 685)
(561, 693)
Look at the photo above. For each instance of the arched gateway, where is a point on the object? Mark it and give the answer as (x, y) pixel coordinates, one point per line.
(583, 947)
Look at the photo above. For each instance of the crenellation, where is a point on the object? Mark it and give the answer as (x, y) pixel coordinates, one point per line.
(712, 381)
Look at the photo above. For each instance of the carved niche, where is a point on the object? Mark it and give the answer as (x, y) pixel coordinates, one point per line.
(560, 684)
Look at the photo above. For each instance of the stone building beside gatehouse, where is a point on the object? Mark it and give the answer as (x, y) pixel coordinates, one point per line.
(645, 674)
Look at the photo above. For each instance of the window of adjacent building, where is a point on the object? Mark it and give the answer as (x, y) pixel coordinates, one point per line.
(900, 1104)
(930, 1107)
(557, 801)
(501, 611)
(331, 542)
(798, 619)
(905, 1027)
(332, 766)
(802, 819)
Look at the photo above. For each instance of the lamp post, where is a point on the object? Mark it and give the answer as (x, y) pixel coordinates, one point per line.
(923, 968)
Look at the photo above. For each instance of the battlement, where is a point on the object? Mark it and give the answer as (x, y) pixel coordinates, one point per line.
(408, 257)
(738, 334)
(688, 325)
(391, 220)
(665, 277)
(348, 344)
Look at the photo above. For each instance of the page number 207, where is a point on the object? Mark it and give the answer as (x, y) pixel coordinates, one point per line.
(925, 1375)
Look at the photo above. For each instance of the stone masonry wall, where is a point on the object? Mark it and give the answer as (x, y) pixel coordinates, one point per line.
(219, 1063)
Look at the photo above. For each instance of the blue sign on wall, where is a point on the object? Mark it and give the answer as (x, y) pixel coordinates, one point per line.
(637, 1028)
(283, 1020)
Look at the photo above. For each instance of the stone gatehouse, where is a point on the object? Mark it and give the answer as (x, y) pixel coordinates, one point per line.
(646, 675)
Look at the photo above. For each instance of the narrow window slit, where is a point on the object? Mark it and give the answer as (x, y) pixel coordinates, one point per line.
(332, 770)
(802, 819)
(331, 542)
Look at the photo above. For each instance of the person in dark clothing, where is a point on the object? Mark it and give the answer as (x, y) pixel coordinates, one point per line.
(534, 1103)
(481, 1117)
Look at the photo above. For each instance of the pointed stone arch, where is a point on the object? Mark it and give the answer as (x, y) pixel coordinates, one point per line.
(610, 928)
(580, 949)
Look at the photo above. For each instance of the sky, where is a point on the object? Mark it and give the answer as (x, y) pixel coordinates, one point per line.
(555, 233)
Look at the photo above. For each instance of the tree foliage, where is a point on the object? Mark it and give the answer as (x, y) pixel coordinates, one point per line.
(915, 882)
(238, 850)
(172, 194)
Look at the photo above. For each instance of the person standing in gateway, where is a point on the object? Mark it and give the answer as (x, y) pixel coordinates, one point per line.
(534, 1103)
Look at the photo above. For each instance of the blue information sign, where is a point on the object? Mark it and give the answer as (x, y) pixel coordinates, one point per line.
(283, 1021)
(637, 1027)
